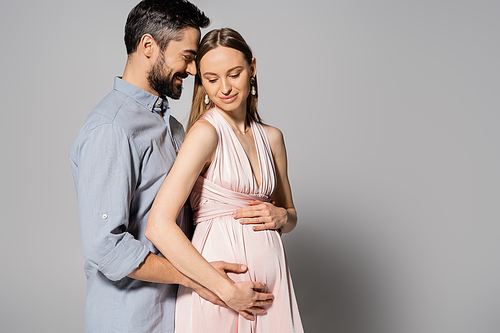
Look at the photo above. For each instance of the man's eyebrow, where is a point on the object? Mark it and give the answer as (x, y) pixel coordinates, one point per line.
(193, 52)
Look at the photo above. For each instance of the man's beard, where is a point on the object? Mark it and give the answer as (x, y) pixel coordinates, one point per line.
(163, 82)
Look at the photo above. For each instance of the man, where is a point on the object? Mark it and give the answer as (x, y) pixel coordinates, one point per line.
(119, 160)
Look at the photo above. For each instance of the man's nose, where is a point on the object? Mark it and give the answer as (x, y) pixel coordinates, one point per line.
(191, 68)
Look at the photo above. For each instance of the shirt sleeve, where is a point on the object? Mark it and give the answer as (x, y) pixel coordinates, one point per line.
(108, 164)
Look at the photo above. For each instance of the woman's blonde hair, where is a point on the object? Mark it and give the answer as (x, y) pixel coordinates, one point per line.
(226, 37)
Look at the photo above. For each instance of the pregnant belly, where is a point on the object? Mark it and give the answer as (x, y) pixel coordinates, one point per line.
(225, 239)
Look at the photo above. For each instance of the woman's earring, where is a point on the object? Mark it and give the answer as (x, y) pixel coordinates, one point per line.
(252, 83)
(207, 100)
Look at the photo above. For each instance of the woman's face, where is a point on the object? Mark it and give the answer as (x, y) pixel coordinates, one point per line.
(225, 75)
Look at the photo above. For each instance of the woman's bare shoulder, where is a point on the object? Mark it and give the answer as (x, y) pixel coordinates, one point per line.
(274, 134)
(203, 129)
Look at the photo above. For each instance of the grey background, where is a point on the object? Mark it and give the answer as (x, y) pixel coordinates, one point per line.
(390, 111)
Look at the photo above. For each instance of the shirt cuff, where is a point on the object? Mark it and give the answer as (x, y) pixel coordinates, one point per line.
(127, 255)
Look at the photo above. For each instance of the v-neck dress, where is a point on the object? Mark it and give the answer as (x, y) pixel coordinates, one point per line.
(228, 185)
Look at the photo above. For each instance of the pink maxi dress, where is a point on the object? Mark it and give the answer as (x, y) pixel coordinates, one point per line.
(228, 185)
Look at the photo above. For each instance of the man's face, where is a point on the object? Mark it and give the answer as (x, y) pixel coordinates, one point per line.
(174, 64)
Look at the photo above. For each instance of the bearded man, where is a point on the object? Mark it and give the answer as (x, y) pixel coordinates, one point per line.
(119, 160)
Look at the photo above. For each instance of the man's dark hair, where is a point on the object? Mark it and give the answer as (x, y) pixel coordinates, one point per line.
(163, 20)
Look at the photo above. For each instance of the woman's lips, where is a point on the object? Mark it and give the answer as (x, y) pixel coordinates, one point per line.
(228, 99)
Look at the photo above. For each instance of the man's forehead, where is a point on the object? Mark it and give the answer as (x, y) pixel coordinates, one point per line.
(190, 34)
(187, 40)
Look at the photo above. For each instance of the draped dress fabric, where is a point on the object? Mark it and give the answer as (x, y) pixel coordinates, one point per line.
(228, 185)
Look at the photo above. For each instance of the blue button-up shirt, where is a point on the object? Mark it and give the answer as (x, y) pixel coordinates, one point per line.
(119, 160)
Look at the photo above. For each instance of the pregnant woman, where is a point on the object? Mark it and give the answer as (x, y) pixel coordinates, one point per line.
(229, 159)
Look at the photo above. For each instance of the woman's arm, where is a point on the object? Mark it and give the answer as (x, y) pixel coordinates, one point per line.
(196, 152)
(281, 216)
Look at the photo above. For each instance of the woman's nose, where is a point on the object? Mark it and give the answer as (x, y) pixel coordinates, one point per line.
(226, 87)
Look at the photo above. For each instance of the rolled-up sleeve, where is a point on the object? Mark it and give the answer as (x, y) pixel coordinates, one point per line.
(107, 169)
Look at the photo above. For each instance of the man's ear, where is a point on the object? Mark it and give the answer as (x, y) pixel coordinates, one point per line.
(147, 46)
(253, 67)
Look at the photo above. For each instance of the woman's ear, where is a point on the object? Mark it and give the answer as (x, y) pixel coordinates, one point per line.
(253, 67)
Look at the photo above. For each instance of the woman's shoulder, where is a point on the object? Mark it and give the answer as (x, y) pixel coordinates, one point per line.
(202, 128)
(274, 134)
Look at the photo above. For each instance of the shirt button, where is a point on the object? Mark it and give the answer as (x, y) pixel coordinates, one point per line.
(149, 106)
(104, 216)
(158, 102)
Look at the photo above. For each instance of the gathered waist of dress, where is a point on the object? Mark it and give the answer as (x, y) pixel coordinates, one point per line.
(219, 201)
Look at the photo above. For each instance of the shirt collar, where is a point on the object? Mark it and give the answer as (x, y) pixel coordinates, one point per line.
(144, 98)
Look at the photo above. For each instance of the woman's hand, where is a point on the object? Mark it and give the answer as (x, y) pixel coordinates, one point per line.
(264, 214)
(223, 268)
(247, 296)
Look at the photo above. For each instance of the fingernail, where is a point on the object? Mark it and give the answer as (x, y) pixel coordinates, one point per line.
(235, 215)
(243, 267)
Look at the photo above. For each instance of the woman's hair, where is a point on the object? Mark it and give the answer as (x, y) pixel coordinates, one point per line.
(228, 38)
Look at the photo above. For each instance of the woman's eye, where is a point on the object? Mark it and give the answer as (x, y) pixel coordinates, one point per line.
(234, 76)
(212, 80)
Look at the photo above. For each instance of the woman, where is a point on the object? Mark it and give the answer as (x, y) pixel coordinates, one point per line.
(228, 159)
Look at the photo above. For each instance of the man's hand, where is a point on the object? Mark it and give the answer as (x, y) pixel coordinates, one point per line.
(225, 267)
(266, 215)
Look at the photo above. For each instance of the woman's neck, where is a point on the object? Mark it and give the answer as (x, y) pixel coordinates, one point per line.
(237, 119)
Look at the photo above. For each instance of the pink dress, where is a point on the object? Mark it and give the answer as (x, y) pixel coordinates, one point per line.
(228, 185)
